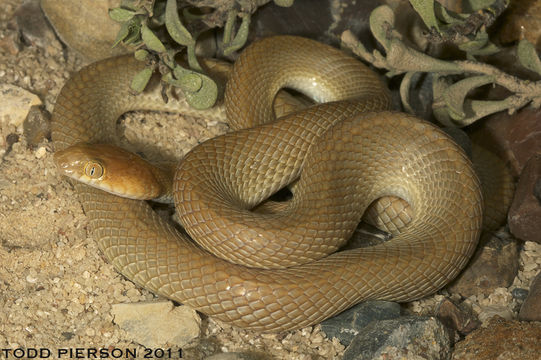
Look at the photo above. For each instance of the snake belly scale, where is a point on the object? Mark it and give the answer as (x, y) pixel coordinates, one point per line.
(348, 152)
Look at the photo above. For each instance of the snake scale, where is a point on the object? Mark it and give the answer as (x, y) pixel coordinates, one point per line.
(347, 151)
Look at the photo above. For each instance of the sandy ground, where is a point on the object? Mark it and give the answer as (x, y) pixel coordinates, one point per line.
(56, 289)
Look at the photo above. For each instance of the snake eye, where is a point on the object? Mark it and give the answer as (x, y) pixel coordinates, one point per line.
(94, 169)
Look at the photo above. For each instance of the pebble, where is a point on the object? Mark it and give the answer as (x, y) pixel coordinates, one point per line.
(494, 265)
(41, 152)
(409, 337)
(459, 318)
(156, 324)
(525, 212)
(346, 325)
(531, 308)
(15, 103)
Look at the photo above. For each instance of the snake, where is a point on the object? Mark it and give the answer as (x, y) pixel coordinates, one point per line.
(279, 268)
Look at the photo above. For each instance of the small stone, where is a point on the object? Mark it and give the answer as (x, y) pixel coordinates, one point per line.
(531, 308)
(494, 265)
(525, 212)
(458, 318)
(68, 335)
(156, 324)
(36, 126)
(15, 104)
(346, 325)
(41, 152)
(519, 293)
(408, 337)
(501, 339)
(11, 140)
(31, 279)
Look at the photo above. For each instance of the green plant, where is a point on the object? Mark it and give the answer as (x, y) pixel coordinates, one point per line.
(159, 30)
(452, 80)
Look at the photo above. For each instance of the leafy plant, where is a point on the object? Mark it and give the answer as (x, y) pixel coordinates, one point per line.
(452, 80)
(158, 30)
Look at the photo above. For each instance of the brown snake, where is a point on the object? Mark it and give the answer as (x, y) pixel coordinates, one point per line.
(346, 157)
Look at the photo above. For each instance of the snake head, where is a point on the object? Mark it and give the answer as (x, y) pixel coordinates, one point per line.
(109, 168)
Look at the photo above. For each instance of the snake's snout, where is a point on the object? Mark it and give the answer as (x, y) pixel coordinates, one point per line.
(111, 169)
(66, 163)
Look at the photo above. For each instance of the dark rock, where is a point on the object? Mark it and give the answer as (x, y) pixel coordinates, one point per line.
(324, 22)
(458, 318)
(497, 185)
(494, 264)
(11, 139)
(404, 338)
(36, 126)
(34, 28)
(525, 213)
(520, 293)
(537, 190)
(531, 308)
(501, 339)
(346, 325)
(514, 137)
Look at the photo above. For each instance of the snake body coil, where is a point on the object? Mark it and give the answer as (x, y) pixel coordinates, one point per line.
(348, 152)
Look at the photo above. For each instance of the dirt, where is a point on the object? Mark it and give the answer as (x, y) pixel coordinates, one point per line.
(56, 289)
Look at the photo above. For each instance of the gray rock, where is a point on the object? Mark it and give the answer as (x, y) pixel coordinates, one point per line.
(520, 294)
(409, 337)
(346, 325)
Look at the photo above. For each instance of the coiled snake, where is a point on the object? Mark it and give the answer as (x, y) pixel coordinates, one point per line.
(347, 152)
